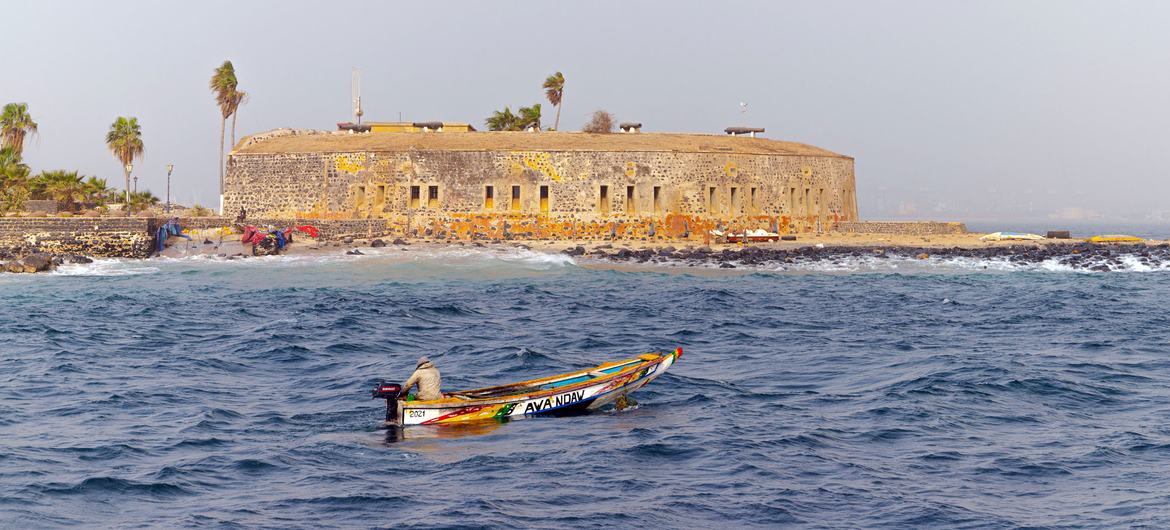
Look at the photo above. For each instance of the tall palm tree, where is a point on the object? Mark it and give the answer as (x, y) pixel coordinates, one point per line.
(554, 90)
(223, 86)
(239, 97)
(15, 123)
(125, 142)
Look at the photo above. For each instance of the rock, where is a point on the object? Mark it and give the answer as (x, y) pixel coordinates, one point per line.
(207, 241)
(607, 245)
(14, 266)
(347, 240)
(377, 243)
(399, 241)
(37, 263)
(355, 252)
(922, 255)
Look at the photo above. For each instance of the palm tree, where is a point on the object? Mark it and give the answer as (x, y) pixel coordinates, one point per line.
(239, 97)
(141, 200)
(15, 123)
(125, 142)
(223, 85)
(63, 186)
(13, 180)
(529, 117)
(501, 120)
(97, 190)
(554, 90)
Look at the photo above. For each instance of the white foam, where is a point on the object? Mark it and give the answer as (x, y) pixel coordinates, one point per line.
(906, 264)
(107, 267)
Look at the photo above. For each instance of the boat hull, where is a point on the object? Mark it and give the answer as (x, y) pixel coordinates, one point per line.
(568, 394)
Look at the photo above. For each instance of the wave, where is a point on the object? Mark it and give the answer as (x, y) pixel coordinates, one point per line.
(912, 265)
(106, 485)
(107, 267)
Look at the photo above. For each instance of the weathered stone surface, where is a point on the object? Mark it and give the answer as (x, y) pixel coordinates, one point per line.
(906, 227)
(665, 191)
(113, 237)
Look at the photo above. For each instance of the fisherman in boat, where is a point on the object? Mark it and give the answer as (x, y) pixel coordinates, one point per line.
(426, 376)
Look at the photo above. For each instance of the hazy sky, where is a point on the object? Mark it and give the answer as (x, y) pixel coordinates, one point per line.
(953, 109)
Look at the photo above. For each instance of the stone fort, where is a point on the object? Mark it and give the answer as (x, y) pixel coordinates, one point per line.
(457, 183)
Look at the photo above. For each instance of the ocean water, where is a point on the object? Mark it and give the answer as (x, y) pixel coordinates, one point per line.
(198, 392)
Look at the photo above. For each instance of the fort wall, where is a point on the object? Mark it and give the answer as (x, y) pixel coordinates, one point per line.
(543, 185)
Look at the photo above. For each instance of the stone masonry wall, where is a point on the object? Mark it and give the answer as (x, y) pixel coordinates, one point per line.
(579, 194)
(91, 236)
(908, 227)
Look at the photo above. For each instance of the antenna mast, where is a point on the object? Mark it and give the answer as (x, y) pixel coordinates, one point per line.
(355, 94)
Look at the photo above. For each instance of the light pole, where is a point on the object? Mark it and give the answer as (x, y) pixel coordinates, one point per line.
(135, 183)
(170, 168)
(129, 169)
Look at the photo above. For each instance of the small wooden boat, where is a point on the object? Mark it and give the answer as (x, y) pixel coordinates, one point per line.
(1115, 238)
(750, 236)
(1011, 236)
(559, 395)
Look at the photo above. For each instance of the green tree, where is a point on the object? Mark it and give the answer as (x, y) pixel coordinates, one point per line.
(97, 190)
(223, 85)
(505, 120)
(141, 200)
(529, 117)
(554, 90)
(15, 123)
(125, 141)
(62, 186)
(502, 120)
(14, 182)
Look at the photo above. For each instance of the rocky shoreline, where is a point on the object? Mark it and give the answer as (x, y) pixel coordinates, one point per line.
(1075, 256)
(1072, 255)
(30, 262)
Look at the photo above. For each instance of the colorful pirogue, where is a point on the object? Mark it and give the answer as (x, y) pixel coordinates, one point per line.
(559, 395)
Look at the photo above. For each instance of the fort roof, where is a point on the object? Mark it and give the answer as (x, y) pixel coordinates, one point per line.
(273, 142)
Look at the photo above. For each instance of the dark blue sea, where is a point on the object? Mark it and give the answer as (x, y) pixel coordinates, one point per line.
(209, 393)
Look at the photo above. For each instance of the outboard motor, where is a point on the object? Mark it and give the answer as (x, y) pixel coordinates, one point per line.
(389, 392)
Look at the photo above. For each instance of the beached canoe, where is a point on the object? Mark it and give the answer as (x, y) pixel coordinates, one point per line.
(1011, 236)
(559, 395)
(1115, 238)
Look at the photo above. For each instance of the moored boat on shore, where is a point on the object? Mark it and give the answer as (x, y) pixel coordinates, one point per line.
(559, 395)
